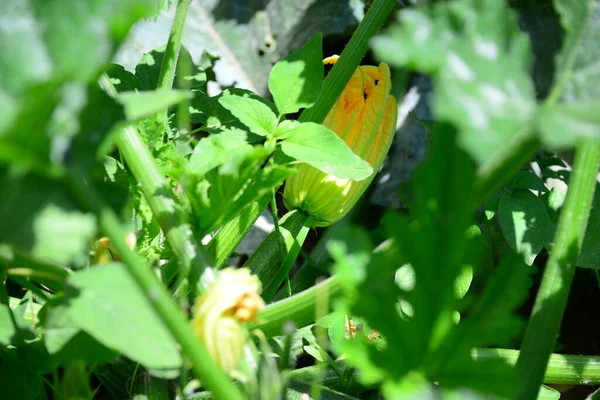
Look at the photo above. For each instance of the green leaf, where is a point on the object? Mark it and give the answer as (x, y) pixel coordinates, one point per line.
(14, 329)
(17, 379)
(527, 180)
(106, 303)
(73, 44)
(321, 148)
(226, 173)
(255, 115)
(38, 217)
(295, 82)
(561, 125)
(139, 105)
(216, 150)
(548, 393)
(480, 61)
(66, 341)
(525, 223)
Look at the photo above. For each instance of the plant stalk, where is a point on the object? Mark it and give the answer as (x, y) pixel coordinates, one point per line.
(159, 298)
(166, 207)
(542, 329)
(300, 308)
(169, 63)
(562, 369)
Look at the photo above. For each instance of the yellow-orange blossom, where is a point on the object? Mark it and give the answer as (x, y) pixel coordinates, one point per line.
(364, 116)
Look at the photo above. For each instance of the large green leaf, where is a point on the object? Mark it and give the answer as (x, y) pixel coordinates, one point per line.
(295, 82)
(66, 341)
(105, 302)
(65, 38)
(248, 36)
(480, 61)
(320, 147)
(46, 44)
(38, 217)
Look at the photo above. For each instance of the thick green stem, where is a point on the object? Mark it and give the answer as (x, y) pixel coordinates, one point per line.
(273, 259)
(350, 58)
(169, 63)
(205, 368)
(300, 308)
(231, 234)
(166, 207)
(551, 300)
(562, 369)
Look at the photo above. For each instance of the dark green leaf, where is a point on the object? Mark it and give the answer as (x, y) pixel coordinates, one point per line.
(295, 82)
(17, 380)
(254, 114)
(14, 329)
(38, 217)
(525, 223)
(106, 303)
(320, 147)
(527, 180)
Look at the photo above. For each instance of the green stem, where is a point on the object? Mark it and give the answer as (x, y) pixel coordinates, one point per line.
(169, 63)
(551, 300)
(205, 368)
(300, 308)
(562, 369)
(166, 207)
(350, 58)
(274, 258)
(231, 234)
(17, 263)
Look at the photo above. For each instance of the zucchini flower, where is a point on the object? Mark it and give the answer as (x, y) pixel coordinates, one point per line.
(219, 313)
(364, 116)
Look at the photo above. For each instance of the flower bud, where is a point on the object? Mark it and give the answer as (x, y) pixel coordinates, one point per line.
(219, 313)
(364, 116)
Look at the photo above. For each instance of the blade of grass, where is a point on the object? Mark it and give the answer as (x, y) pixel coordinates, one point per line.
(159, 298)
(543, 326)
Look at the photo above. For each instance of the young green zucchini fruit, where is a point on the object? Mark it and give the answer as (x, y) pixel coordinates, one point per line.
(364, 116)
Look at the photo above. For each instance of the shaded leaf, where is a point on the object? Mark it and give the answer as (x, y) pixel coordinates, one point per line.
(295, 82)
(248, 37)
(527, 180)
(525, 223)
